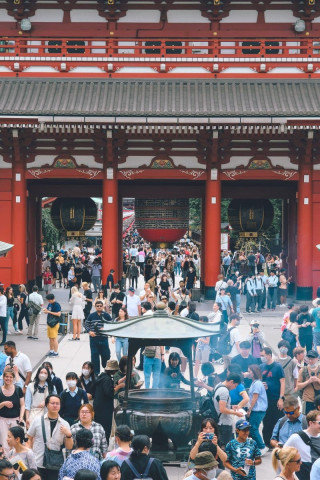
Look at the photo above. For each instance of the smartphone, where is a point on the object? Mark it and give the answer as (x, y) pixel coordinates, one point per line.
(209, 436)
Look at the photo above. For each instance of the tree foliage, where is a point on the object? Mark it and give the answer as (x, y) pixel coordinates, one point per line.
(51, 235)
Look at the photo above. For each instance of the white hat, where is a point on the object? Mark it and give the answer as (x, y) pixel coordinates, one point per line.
(315, 302)
(254, 322)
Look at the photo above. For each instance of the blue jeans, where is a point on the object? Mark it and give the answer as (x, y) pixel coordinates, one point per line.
(121, 343)
(238, 301)
(96, 281)
(177, 268)
(255, 420)
(272, 297)
(4, 326)
(99, 347)
(10, 314)
(151, 365)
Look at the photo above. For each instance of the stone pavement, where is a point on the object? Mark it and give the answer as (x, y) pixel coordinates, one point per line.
(73, 354)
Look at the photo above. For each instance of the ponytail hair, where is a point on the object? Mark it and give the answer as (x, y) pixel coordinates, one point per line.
(139, 442)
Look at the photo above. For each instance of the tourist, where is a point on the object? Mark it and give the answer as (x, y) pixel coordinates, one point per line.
(36, 393)
(316, 331)
(208, 432)
(86, 415)
(288, 461)
(309, 380)
(96, 275)
(72, 398)
(243, 453)
(56, 381)
(225, 303)
(122, 343)
(153, 356)
(18, 451)
(123, 438)
(220, 284)
(109, 470)
(119, 378)
(251, 294)
(289, 366)
(116, 300)
(12, 406)
(35, 303)
(172, 374)
(164, 284)
(4, 319)
(20, 363)
(57, 433)
(109, 283)
(81, 456)
(99, 345)
(77, 314)
(30, 474)
(133, 274)
(6, 470)
(87, 380)
(101, 296)
(257, 406)
(48, 280)
(139, 464)
(292, 422)
(202, 351)
(87, 292)
(205, 467)
(274, 381)
(244, 359)
(132, 303)
(222, 403)
(103, 402)
(10, 309)
(22, 298)
(272, 282)
(256, 338)
(235, 339)
(315, 470)
(305, 324)
(53, 312)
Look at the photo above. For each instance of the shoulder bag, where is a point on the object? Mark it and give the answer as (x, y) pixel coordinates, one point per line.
(52, 459)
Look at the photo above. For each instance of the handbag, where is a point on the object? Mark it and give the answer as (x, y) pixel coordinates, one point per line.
(52, 321)
(52, 459)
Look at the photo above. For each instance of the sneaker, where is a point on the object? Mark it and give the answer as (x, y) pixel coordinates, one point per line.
(72, 339)
(55, 354)
(50, 354)
(264, 451)
(35, 338)
(29, 336)
(9, 333)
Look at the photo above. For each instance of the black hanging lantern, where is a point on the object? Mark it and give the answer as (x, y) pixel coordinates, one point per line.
(250, 215)
(74, 215)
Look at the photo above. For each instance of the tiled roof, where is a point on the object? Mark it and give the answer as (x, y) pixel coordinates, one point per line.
(160, 98)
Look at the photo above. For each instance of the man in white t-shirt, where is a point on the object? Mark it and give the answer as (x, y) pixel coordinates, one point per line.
(20, 361)
(132, 303)
(145, 293)
(235, 339)
(35, 301)
(307, 442)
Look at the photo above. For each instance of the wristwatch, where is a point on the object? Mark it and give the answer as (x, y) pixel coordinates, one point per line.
(281, 398)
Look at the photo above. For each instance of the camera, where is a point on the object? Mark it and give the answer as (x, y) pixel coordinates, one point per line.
(209, 436)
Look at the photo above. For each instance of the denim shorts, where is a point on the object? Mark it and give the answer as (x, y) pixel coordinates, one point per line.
(316, 339)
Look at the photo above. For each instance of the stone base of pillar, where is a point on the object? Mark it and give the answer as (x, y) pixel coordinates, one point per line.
(209, 293)
(304, 293)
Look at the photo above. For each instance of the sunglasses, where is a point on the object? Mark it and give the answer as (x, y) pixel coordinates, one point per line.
(295, 461)
(316, 422)
(289, 413)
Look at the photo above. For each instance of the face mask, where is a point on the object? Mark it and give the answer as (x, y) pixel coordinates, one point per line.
(283, 350)
(71, 383)
(263, 359)
(43, 377)
(211, 474)
(314, 367)
(85, 372)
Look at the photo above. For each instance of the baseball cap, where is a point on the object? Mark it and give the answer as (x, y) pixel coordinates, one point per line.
(242, 425)
(131, 289)
(254, 322)
(312, 354)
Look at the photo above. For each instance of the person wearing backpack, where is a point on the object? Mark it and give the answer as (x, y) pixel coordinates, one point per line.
(289, 366)
(309, 380)
(292, 422)
(307, 442)
(229, 342)
(222, 412)
(139, 464)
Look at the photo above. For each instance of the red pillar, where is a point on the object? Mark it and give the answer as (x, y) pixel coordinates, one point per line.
(304, 235)
(19, 216)
(110, 231)
(31, 241)
(203, 250)
(39, 241)
(212, 233)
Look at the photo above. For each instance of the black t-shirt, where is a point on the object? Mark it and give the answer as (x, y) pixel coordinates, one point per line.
(88, 294)
(24, 297)
(244, 364)
(116, 306)
(110, 280)
(304, 318)
(53, 424)
(10, 301)
(164, 285)
(15, 399)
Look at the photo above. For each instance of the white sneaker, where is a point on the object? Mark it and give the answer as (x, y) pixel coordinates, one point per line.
(264, 451)
(8, 332)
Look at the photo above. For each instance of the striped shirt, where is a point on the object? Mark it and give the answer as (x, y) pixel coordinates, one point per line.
(96, 322)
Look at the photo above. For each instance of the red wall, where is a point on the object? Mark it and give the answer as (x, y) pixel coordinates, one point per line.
(5, 224)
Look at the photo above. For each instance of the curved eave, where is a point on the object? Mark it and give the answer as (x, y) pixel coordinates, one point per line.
(161, 326)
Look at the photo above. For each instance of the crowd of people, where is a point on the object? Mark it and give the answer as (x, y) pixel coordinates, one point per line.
(252, 401)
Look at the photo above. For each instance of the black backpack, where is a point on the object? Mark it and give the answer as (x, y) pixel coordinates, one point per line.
(224, 345)
(207, 408)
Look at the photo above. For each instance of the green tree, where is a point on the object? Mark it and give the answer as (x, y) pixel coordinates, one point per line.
(195, 213)
(51, 235)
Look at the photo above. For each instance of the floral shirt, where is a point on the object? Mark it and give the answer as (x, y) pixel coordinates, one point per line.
(238, 452)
